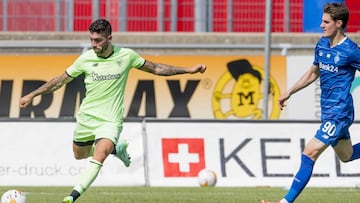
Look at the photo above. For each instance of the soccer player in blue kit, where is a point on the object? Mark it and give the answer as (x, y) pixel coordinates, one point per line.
(336, 59)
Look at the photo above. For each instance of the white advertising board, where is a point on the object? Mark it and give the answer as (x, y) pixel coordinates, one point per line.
(242, 154)
(40, 153)
(305, 104)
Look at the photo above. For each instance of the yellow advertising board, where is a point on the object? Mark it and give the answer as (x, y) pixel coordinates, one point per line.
(231, 88)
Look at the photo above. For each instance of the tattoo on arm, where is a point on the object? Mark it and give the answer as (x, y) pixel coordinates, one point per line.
(52, 85)
(163, 69)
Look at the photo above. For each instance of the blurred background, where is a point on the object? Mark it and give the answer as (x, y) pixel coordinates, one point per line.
(168, 15)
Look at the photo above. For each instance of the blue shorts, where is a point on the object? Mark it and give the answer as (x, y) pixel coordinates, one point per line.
(331, 131)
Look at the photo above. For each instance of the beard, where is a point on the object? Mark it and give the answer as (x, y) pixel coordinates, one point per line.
(100, 51)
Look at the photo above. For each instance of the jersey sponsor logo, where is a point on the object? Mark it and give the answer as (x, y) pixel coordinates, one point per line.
(97, 77)
(328, 67)
(183, 157)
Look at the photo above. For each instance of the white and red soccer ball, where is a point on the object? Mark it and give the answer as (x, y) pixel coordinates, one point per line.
(13, 196)
(207, 178)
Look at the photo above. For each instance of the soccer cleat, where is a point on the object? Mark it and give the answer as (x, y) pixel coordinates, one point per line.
(121, 152)
(68, 199)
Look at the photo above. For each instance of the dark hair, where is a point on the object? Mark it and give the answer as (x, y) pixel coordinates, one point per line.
(338, 11)
(101, 26)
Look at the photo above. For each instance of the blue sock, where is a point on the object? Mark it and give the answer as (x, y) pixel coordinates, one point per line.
(356, 152)
(301, 179)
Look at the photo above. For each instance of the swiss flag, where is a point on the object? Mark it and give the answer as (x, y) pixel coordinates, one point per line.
(183, 157)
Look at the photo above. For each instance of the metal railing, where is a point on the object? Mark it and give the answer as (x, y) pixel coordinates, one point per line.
(283, 47)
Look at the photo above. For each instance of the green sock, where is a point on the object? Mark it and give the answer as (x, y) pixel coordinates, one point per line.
(88, 176)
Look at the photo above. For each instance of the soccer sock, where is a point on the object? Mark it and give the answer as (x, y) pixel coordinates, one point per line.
(356, 152)
(75, 194)
(301, 179)
(88, 176)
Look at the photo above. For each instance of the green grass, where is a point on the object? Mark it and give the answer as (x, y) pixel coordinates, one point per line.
(186, 194)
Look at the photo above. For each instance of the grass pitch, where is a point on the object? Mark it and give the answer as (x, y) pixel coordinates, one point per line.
(186, 194)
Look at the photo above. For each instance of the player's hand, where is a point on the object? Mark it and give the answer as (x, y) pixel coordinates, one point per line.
(25, 101)
(282, 99)
(199, 68)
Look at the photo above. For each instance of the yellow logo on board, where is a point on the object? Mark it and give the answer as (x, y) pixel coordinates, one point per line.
(239, 94)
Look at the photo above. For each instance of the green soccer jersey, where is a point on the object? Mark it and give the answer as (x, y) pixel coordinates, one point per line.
(105, 81)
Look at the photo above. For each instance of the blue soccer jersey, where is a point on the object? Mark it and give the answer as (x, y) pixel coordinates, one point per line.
(338, 65)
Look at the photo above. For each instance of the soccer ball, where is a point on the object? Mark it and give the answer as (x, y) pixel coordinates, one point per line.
(13, 196)
(207, 178)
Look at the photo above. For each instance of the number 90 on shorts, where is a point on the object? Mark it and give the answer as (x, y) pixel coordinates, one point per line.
(330, 132)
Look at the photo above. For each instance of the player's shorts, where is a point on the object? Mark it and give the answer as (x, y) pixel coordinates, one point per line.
(331, 131)
(89, 128)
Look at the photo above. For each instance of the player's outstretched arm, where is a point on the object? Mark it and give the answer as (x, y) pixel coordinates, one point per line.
(48, 87)
(167, 70)
(309, 77)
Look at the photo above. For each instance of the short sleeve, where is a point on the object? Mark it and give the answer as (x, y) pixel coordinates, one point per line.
(136, 60)
(75, 69)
